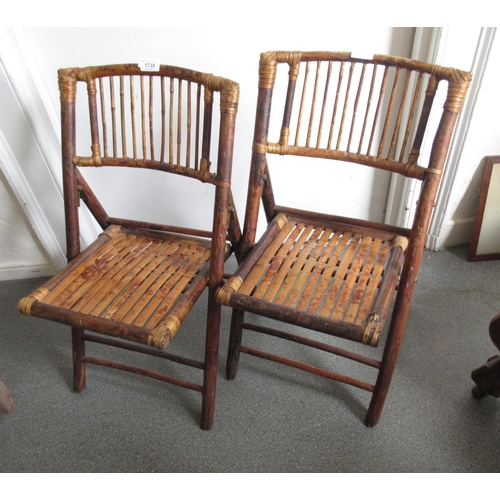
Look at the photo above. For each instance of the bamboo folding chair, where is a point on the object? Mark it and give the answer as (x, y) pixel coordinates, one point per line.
(336, 275)
(134, 285)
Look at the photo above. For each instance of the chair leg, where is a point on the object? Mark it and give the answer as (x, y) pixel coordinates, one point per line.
(233, 355)
(487, 377)
(79, 367)
(388, 364)
(211, 365)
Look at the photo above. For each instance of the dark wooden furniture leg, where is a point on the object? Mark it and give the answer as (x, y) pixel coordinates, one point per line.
(487, 377)
(6, 399)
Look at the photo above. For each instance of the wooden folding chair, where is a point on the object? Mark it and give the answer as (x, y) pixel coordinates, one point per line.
(138, 281)
(332, 274)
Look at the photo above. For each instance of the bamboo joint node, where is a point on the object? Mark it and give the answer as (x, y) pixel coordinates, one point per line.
(413, 169)
(280, 149)
(259, 148)
(284, 136)
(206, 176)
(112, 231)
(281, 220)
(267, 70)
(25, 303)
(68, 77)
(372, 331)
(233, 284)
(400, 241)
(205, 165)
(458, 85)
(161, 336)
(434, 171)
(229, 92)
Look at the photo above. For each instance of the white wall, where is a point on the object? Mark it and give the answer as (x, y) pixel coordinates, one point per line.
(232, 52)
(23, 253)
(482, 137)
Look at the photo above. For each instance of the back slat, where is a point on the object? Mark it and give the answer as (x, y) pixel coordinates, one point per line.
(313, 105)
(163, 120)
(113, 116)
(411, 119)
(171, 123)
(388, 114)
(356, 104)
(155, 121)
(122, 115)
(151, 130)
(143, 119)
(346, 108)
(188, 126)
(103, 117)
(399, 118)
(197, 128)
(377, 112)
(133, 119)
(179, 122)
(368, 108)
(323, 107)
(302, 104)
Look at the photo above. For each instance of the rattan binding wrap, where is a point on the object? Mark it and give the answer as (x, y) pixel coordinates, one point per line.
(24, 306)
(161, 336)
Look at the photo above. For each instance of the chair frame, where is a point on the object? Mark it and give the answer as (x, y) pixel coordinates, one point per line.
(410, 242)
(225, 223)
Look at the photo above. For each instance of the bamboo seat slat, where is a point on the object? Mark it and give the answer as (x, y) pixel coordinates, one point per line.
(373, 284)
(328, 271)
(334, 286)
(260, 267)
(148, 292)
(167, 301)
(364, 276)
(131, 280)
(137, 277)
(80, 285)
(56, 292)
(350, 282)
(106, 283)
(88, 290)
(321, 270)
(273, 266)
(312, 272)
(127, 271)
(298, 270)
(289, 261)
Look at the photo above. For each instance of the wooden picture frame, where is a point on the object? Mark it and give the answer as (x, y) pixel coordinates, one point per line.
(485, 242)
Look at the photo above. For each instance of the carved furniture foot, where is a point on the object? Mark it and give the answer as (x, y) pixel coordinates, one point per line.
(487, 377)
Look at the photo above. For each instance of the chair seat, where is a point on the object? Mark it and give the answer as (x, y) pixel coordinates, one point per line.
(135, 286)
(333, 277)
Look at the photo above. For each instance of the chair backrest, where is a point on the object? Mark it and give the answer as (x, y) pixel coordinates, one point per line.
(160, 120)
(339, 106)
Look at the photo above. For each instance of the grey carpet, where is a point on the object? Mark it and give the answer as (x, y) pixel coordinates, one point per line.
(270, 418)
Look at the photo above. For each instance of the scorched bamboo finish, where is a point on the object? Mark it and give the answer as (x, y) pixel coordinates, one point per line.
(134, 286)
(336, 275)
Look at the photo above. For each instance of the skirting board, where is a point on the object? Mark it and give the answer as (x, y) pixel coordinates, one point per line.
(25, 272)
(453, 233)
